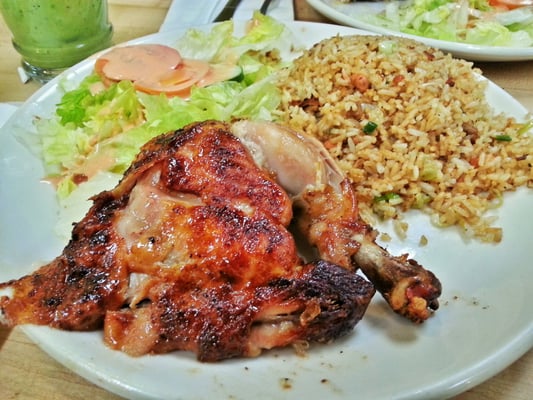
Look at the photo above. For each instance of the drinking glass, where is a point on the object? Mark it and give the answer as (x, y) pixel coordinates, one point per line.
(52, 35)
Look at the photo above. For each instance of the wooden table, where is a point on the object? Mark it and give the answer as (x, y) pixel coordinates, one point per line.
(27, 373)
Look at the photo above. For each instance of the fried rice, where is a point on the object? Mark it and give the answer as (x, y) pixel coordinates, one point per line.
(411, 126)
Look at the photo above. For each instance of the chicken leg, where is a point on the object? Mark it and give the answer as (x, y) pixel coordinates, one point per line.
(329, 218)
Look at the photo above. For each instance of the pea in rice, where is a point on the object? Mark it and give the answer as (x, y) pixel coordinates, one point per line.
(411, 127)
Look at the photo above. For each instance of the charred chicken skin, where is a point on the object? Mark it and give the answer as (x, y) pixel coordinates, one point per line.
(190, 251)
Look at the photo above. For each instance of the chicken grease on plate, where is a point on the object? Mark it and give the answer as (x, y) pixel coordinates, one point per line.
(191, 251)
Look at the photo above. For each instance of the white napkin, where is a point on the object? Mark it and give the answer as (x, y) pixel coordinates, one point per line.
(182, 14)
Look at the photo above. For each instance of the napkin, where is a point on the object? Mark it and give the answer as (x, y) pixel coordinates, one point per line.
(182, 14)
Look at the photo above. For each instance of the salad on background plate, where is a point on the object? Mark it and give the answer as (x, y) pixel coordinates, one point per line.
(479, 22)
(477, 30)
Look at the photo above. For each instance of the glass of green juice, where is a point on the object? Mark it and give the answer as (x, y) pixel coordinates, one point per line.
(52, 35)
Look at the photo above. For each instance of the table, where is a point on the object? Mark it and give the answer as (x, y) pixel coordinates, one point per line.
(26, 372)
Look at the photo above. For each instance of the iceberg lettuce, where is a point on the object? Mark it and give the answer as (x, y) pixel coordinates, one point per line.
(464, 21)
(101, 129)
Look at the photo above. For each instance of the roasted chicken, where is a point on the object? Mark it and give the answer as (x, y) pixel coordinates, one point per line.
(192, 251)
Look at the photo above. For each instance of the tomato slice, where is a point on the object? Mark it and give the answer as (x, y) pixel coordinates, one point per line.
(511, 4)
(220, 73)
(99, 69)
(137, 61)
(158, 69)
(175, 82)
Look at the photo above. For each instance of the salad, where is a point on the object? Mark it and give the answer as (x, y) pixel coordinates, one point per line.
(507, 23)
(100, 125)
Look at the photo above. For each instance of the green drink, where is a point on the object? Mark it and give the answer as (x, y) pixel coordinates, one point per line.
(52, 35)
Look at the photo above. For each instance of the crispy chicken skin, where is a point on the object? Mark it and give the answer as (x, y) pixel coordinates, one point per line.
(190, 251)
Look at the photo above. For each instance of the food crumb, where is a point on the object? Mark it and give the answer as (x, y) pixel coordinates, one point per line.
(285, 383)
(423, 240)
(400, 227)
(324, 380)
(385, 237)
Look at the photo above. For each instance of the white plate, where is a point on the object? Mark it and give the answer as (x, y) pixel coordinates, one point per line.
(485, 321)
(351, 14)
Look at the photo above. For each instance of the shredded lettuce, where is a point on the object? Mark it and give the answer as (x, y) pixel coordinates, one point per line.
(221, 45)
(200, 45)
(85, 119)
(100, 129)
(464, 21)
